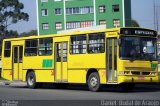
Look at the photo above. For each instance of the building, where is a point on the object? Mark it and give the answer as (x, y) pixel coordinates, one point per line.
(56, 15)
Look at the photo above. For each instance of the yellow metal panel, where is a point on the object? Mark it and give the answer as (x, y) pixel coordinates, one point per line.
(58, 71)
(86, 61)
(64, 71)
(122, 79)
(15, 71)
(7, 74)
(7, 63)
(44, 76)
(102, 75)
(24, 75)
(20, 71)
(124, 65)
(77, 76)
(35, 62)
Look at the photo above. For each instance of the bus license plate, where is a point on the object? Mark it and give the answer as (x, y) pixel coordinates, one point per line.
(141, 78)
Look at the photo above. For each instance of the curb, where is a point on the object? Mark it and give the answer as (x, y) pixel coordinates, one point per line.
(12, 83)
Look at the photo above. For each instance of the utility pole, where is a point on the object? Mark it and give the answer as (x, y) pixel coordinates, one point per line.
(157, 19)
(154, 7)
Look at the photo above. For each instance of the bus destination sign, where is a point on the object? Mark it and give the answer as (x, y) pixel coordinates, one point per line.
(138, 31)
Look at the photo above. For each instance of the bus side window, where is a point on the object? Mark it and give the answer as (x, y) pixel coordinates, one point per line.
(78, 44)
(45, 46)
(7, 49)
(31, 47)
(96, 43)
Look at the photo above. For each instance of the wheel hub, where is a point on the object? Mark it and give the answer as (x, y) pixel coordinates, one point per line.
(30, 80)
(93, 81)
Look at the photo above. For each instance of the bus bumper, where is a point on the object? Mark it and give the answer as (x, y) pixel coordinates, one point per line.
(138, 79)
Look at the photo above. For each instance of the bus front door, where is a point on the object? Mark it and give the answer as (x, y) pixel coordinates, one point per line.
(112, 60)
(61, 73)
(17, 62)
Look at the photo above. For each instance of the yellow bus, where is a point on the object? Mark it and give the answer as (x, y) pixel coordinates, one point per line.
(118, 56)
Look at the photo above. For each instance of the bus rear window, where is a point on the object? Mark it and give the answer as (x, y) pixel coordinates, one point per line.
(7, 49)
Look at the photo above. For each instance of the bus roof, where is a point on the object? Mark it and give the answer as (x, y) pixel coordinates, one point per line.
(76, 32)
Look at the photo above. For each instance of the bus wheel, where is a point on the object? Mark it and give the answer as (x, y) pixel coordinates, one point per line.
(31, 80)
(126, 87)
(93, 82)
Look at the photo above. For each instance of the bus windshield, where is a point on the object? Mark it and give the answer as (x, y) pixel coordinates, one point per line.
(138, 48)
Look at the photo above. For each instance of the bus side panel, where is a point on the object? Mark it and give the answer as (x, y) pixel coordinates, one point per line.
(24, 75)
(42, 65)
(6, 65)
(44, 76)
(7, 74)
(77, 76)
(80, 63)
(102, 75)
(38, 62)
(41, 75)
(87, 61)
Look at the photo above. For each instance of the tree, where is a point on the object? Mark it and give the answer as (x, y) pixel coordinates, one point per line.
(10, 13)
(30, 33)
(134, 23)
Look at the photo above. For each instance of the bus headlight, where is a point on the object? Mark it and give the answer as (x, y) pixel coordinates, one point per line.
(154, 73)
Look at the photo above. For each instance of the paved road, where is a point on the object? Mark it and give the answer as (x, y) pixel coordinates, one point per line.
(21, 92)
(14, 93)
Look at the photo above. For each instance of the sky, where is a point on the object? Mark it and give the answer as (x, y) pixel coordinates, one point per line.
(142, 11)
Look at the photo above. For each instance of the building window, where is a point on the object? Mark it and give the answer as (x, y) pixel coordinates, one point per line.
(80, 10)
(58, 25)
(73, 25)
(102, 22)
(116, 23)
(78, 44)
(87, 24)
(44, 12)
(115, 8)
(44, 0)
(45, 26)
(57, 0)
(82, 24)
(31, 47)
(7, 49)
(76, 10)
(45, 46)
(69, 11)
(102, 9)
(96, 43)
(57, 11)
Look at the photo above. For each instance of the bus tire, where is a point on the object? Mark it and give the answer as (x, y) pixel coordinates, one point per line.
(93, 82)
(31, 80)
